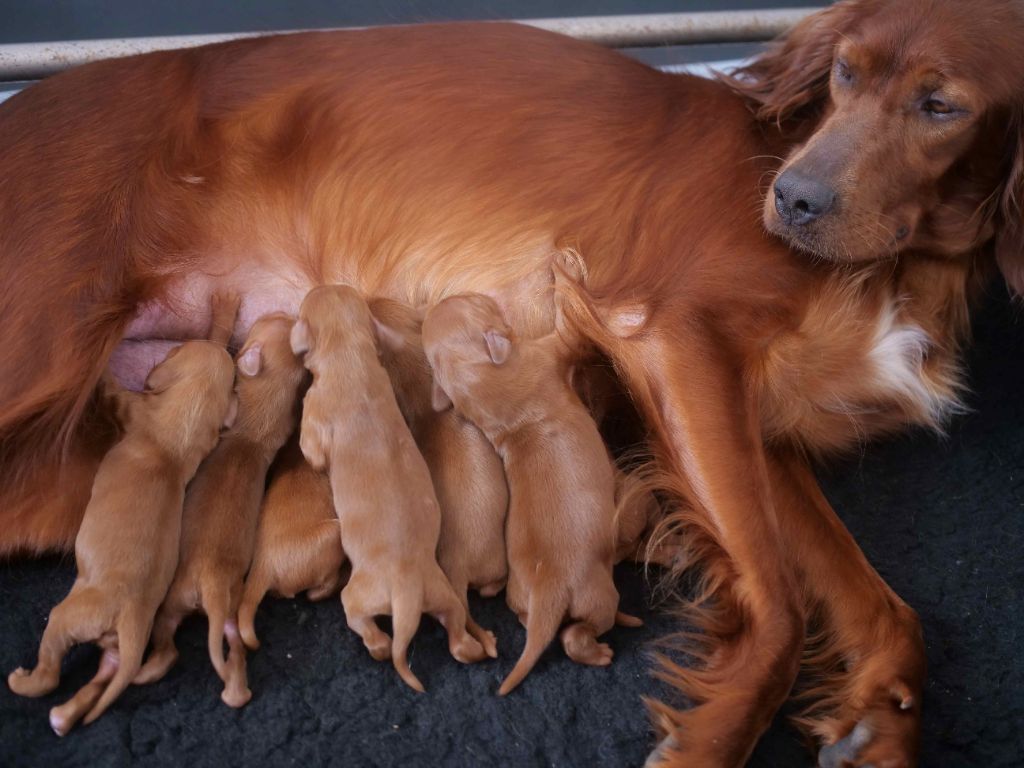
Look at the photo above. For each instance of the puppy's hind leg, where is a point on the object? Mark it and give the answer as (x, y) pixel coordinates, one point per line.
(64, 717)
(236, 691)
(256, 587)
(77, 619)
(164, 653)
(133, 627)
(359, 615)
(444, 605)
(580, 643)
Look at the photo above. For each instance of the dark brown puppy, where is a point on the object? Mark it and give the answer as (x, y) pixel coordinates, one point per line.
(561, 521)
(127, 547)
(383, 496)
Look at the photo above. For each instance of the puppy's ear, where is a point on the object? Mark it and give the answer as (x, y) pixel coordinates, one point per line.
(499, 346)
(387, 337)
(300, 338)
(250, 362)
(794, 73)
(1010, 235)
(312, 443)
(232, 414)
(439, 398)
(163, 375)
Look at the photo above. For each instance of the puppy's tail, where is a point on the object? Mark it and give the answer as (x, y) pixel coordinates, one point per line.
(217, 604)
(133, 627)
(547, 607)
(256, 587)
(407, 608)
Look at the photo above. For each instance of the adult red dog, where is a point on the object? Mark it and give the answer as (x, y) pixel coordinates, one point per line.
(420, 162)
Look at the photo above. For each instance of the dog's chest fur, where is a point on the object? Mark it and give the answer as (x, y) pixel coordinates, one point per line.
(859, 364)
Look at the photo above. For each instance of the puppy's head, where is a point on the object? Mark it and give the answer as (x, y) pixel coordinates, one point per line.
(193, 388)
(465, 339)
(268, 350)
(336, 316)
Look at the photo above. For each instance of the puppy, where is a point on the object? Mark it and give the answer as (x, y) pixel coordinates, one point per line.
(298, 542)
(127, 547)
(222, 508)
(561, 521)
(468, 476)
(383, 496)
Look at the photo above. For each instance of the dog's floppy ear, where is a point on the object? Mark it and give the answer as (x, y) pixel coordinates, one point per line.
(793, 74)
(300, 338)
(250, 361)
(439, 398)
(499, 346)
(1010, 235)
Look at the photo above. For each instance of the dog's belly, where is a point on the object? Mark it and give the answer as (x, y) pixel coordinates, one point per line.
(518, 277)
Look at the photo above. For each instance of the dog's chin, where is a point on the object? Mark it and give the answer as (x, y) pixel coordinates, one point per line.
(814, 241)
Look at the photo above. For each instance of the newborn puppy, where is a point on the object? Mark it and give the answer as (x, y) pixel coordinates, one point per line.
(298, 542)
(561, 520)
(127, 547)
(383, 496)
(468, 477)
(222, 507)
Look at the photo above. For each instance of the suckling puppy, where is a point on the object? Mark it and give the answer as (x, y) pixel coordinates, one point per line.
(222, 507)
(298, 541)
(383, 496)
(561, 522)
(468, 476)
(127, 547)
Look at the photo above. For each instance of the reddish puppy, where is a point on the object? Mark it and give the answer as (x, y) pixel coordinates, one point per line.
(467, 474)
(127, 547)
(298, 542)
(390, 519)
(561, 522)
(222, 507)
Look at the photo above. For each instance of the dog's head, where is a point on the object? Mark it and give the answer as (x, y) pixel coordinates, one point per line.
(918, 108)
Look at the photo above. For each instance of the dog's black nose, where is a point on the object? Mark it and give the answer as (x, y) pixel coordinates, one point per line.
(800, 199)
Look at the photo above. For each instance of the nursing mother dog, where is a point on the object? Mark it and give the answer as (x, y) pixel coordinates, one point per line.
(421, 162)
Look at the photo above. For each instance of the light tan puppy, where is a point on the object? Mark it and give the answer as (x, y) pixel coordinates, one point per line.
(561, 521)
(298, 542)
(127, 547)
(468, 476)
(383, 496)
(222, 508)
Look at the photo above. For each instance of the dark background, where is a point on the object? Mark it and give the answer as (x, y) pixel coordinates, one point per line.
(941, 518)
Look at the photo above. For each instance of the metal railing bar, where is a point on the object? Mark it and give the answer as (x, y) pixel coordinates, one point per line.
(31, 61)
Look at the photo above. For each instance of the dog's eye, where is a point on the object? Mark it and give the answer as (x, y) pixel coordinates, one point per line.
(938, 107)
(843, 72)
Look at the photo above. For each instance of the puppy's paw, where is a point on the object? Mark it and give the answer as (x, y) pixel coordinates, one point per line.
(379, 649)
(35, 683)
(468, 650)
(235, 696)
